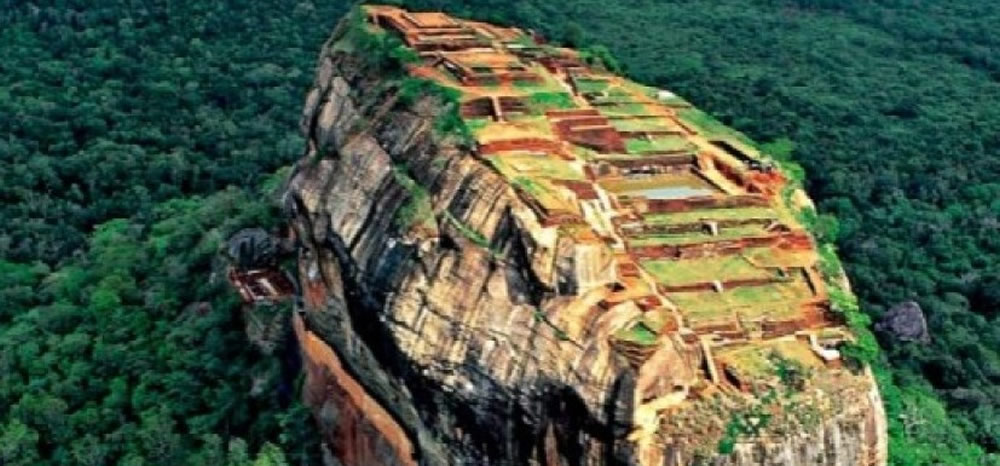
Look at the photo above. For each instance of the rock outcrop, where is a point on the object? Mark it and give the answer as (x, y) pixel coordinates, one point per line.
(905, 322)
(441, 324)
(252, 248)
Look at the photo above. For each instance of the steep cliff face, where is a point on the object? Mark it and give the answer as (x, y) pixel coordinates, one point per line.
(441, 323)
(445, 335)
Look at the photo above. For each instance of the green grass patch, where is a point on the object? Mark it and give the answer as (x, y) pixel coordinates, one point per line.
(447, 122)
(676, 102)
(667, 238)
(534, 165)
(476, 125)
(639, 334)
(468, 232)
(539, 102)
(655, 319)
(559, 333)
(641, 124)
(417, 209)
(711, 127)
(791, 292)
(681, 272)
(382, 50)
(636, 88)
(750, 422)
(530, 186)
(624, 109)
(548, 83)
(706, 123)
(657, 143)
(778, 300)
(591, 86)
(618, 92)
(585, 153)
(450, 121)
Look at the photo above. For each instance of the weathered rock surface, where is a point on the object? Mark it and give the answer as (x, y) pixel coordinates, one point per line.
(252, 248)
(905, 322)
(421, 346)
(447, 336)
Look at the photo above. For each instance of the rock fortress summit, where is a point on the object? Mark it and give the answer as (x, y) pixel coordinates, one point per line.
(507, 254)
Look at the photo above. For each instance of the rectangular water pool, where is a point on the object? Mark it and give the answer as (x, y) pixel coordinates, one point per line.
(664, 186)
(671, 192)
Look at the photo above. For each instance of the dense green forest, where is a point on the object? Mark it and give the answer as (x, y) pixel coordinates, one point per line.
(133, 139)
(136, 136)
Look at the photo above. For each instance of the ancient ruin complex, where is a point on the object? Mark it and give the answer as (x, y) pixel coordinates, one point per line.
(598, 247)
(698, 239)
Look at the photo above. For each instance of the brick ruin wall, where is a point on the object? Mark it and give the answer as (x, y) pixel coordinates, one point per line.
(525, 144)
(478, 108)
(666, 206)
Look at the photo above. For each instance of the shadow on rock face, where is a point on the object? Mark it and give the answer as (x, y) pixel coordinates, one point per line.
(252, 248)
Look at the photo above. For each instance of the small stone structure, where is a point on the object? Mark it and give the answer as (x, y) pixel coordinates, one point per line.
(254, 271)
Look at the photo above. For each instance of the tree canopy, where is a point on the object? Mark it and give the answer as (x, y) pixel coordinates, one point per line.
(135, 136)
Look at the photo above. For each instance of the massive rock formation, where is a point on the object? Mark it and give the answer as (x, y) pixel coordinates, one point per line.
(468, 333)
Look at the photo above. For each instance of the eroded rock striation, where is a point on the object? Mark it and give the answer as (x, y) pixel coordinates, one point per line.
(513, 291)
